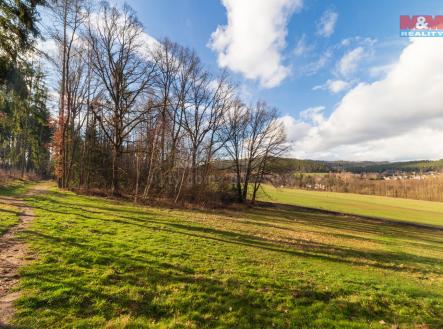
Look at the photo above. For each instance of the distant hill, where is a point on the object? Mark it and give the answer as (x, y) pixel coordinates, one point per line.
(420, 166)
(287, 165)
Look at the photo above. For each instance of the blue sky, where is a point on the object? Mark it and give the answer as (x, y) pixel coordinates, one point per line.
(191, 23)
(346, 84)
(338, 71)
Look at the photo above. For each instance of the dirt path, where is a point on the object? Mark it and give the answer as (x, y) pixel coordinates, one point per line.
(14, 253)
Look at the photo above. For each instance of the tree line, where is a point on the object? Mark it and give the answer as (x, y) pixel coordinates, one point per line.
(145, 118)
(419, 187)
(25, 129)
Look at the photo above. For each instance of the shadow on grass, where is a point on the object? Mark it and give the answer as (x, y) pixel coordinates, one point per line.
(109, 293)
(93, 275)
(10, 211)
(350, 223)
(398, 261)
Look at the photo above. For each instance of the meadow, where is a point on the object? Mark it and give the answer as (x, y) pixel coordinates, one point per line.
(8, 216)
(407, 210)
(106, 264)
(9, 213)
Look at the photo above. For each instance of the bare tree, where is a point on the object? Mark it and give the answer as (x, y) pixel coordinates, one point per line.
(270, 144)
(208, 100)
(69, 17)
(142, 119)
(234, 130)
(121, 67)
(166, 55)
(254, 134)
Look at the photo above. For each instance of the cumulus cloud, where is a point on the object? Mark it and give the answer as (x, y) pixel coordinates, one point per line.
(380, 71)
(313, 114)
(253, 40)
(295, 129)
(398, 117)
(334, 86)
(326, 24)
(148, 41)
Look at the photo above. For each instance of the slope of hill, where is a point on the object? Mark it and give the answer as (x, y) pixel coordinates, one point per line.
(408, 166)
(286, 165)
(108, 264)
(398, 209)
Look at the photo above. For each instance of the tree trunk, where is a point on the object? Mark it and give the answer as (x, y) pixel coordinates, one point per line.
(115, 188)
(137, 170)
(61, 118)
(239, 189)
(194, 175)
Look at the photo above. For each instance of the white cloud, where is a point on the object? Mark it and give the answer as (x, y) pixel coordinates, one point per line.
(148, 43)
(346, 42)
(145, 42)
(295, 129)
(253, 40)
(380, 71)
(415, 145)
(302, 47)
(315, 66)
(349, 62)
(326, 25)
(334, 86)
(313, 114)
(361, 41)
(398, 117)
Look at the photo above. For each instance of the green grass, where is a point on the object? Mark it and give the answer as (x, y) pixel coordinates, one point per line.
(9, 214)
(422, 212)
(105, 264)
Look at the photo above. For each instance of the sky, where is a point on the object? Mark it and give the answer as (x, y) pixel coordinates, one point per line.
(346, 84)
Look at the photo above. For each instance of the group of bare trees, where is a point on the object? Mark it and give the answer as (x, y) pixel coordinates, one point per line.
(253, 135)
(147, 118)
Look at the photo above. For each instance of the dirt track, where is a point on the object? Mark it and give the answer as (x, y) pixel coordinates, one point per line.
(14, 253)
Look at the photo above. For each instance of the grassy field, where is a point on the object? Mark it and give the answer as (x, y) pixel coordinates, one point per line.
(423, 212)
(8, 216)
(105, 264)
(9, 213)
